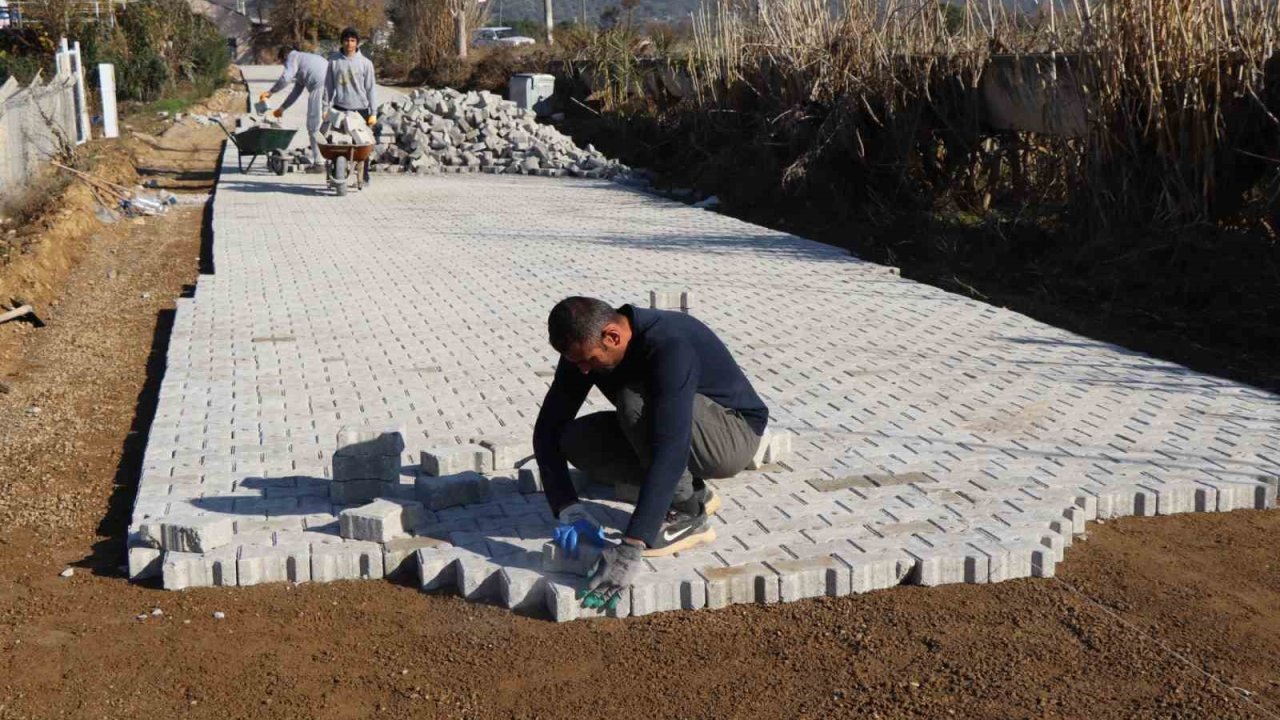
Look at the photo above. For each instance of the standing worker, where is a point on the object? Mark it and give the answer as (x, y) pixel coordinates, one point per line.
(307, 71)
(349, 84)
(684, 412)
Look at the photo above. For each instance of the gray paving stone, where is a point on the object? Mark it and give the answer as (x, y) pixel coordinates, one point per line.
(506, 451)
(555, 560)
(753, 582)
(349, 560)
(196, 534)
(478, 577)
(563, 603)
(447, 491)
(522, 588)
(384, 468)
(370, 440)
(811, 577)
(380, 521)
(180, 570)
(144, 562)
(667, 591)
(401, 554)
(456, 459)
(437, 566)
(258, 564)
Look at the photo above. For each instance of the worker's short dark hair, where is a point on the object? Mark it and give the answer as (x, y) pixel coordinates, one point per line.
(283, 51)
(348, 33)
(576, 320)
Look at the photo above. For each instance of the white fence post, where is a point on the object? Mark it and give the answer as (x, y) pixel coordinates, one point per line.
(69, 65)
(107, 89)
(82, 99)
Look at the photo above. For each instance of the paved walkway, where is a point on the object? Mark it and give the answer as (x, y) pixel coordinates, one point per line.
(936, 439)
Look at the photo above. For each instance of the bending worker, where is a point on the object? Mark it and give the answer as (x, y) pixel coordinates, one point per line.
(684, 412)
(307, 71)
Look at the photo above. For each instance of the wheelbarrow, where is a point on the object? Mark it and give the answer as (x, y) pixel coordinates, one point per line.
(257, 141)
(344, 161)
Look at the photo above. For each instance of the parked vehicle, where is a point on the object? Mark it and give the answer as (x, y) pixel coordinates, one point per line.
(5, 19)
(493, 36)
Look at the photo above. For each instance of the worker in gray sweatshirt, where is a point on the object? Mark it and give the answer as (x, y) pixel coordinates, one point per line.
(307, 71)
(349, 85)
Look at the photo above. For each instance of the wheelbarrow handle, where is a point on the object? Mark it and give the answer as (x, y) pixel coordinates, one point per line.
(231, 137)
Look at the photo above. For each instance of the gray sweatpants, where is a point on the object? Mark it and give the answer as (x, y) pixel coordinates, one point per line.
(613, 448)
(315, 113)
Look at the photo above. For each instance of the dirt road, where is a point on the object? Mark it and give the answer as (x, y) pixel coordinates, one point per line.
(1169, 596)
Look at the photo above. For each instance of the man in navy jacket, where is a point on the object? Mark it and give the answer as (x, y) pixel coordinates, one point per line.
(684, 412)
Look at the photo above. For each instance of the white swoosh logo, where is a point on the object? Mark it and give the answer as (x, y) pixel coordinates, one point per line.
(668, 536)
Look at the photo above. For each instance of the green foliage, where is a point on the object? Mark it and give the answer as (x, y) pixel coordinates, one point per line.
(156, 44)
(25, 52)
(143, 76)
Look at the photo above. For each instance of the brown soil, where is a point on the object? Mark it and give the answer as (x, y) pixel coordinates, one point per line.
(183, 154)
(75, 409)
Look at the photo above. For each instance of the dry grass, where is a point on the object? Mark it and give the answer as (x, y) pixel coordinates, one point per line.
(1181, 116)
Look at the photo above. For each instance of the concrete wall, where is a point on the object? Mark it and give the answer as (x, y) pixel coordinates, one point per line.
(27, 139)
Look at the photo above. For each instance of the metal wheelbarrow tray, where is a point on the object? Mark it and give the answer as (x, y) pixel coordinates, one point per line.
(257, 141)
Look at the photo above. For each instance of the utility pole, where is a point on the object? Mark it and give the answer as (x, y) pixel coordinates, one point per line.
(458, 8)
(546, 6)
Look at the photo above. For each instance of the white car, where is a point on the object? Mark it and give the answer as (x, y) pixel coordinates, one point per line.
(493, 36)
(5, 19)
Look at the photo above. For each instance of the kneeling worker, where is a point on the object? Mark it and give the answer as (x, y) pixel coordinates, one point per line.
(684, 412)
(307, 71)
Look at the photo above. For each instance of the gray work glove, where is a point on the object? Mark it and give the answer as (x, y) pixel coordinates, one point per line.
(617, 569)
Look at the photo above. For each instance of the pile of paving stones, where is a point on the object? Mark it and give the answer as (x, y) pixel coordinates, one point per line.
(449, 131)
(346, 128)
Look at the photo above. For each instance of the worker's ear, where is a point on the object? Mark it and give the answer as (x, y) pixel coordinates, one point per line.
(611, 335)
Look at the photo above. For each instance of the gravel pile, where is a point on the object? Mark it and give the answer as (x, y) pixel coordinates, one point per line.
(449, 131)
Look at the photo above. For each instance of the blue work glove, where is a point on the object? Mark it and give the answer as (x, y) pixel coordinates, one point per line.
(618, 567)
(577, 523)
(569, 535)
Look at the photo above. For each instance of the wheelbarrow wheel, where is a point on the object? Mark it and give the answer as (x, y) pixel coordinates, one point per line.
(276, 162)
(340, 175)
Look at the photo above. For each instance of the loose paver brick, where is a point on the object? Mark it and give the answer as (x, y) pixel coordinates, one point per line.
(196, 534)
(938, 439)
(380, 521)
(456, 459)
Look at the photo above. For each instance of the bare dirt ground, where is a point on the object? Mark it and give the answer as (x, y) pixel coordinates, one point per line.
(1170, 597)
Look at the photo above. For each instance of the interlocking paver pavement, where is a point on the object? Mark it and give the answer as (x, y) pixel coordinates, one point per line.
(936, 439)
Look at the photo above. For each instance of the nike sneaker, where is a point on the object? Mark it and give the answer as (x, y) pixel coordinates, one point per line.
(706, 498)
(679, 532)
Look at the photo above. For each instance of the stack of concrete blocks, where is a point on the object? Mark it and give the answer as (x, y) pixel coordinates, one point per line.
(447, 131)
(366, 464)
(681, 300)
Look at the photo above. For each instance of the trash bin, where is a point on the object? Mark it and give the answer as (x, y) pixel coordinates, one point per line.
(532, 91)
